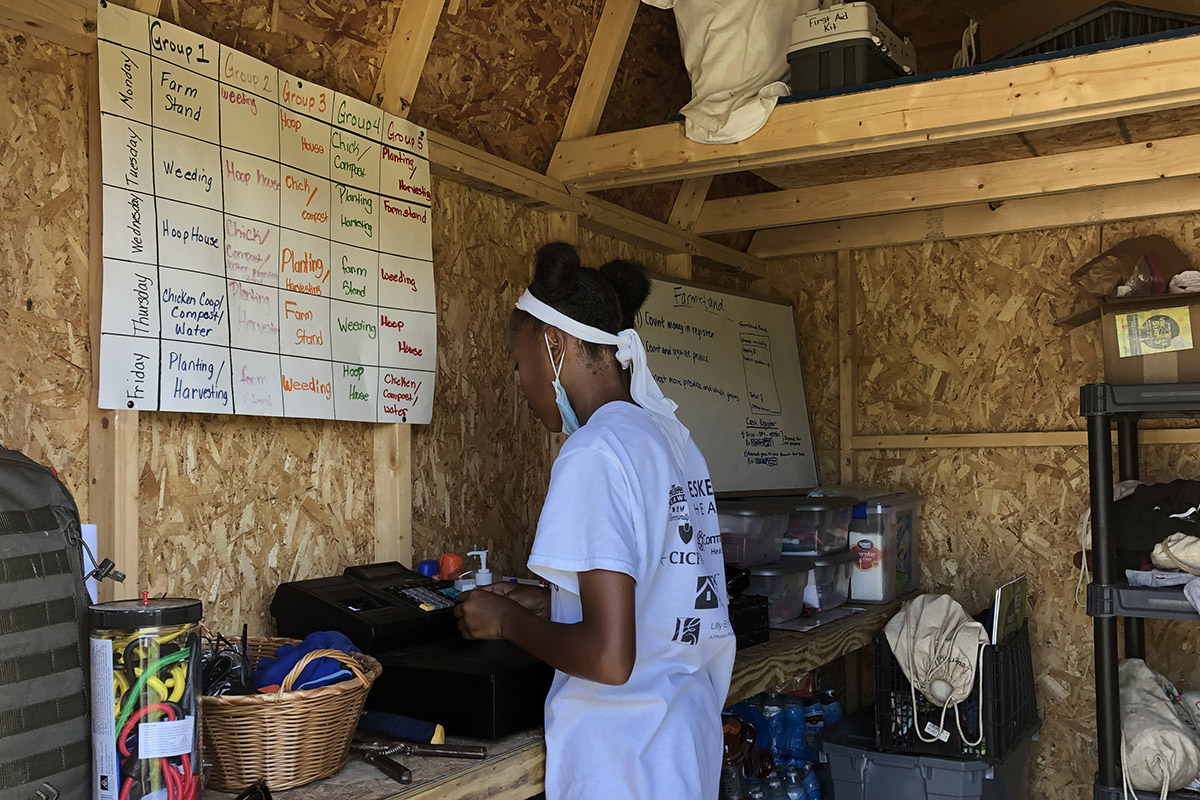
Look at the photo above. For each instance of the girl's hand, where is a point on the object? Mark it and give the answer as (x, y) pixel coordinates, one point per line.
(535, 599)
(482, 614)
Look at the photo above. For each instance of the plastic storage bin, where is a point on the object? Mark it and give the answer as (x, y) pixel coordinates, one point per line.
(818, 525)
(858, 771)
(828, 579)
(783, 584)
(1110, 22)
(884, 535)
(752, 531)
(846, 44)
(1009, 706)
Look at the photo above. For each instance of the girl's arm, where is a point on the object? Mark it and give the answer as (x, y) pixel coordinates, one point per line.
(599, 648)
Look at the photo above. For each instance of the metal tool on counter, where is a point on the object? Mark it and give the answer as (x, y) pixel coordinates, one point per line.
(390, 766)
(394, 747)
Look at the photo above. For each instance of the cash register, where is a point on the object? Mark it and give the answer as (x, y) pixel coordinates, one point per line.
(405, 620)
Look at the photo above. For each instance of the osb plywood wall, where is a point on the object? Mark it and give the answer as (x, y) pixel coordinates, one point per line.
(959, 336)
(229, 507)
(480, 469)
(45, 360)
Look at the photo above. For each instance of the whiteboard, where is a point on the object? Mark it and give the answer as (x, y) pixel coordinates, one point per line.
(266, 241)
(732, 363)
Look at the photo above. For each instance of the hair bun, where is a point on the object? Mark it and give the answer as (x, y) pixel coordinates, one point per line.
(631, 285)
(556, 273)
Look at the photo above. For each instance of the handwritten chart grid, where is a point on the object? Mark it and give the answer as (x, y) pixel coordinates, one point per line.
(267, 242)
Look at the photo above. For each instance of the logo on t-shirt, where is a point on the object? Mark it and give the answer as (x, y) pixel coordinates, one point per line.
(687, 630)
(676, 497)
(706, 592)
(685, 532)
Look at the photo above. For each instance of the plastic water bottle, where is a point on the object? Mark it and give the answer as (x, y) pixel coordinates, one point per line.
(811, 783)
(775, 790)
(793, 781)
(814, 720)
(833, 708)
(773, 741)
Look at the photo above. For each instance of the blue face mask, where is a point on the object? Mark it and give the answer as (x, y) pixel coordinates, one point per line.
(570, 423)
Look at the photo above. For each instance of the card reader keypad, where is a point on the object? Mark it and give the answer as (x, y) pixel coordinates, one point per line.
(422, 598)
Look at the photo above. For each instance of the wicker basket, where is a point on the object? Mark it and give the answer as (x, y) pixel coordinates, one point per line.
(291, 737)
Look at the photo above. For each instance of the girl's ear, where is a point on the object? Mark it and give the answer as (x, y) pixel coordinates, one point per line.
(558, 343)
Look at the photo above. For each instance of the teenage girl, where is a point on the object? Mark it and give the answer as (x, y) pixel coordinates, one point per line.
(635, 621)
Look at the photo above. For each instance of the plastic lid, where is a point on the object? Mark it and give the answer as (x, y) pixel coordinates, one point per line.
(881, 504)
(757, 507)
(789, 566)
(810, 503)
(149, 612)
(827, 560)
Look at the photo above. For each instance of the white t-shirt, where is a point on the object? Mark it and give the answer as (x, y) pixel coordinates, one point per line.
(618, 502)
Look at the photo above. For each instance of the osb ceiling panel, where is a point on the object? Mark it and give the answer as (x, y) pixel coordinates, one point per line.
(501, 74)
(336, 43)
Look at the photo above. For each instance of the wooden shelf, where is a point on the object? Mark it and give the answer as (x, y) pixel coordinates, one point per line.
(787, 654)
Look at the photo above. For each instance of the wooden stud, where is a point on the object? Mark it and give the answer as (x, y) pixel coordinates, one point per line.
(608, 45)
(113, 458)
(1165, 197)
(690, 202)
(392, 442)
(847, 297)
(1006, 180)
(393, 492)
(407, 50)
(678, 265)
(1129, 80)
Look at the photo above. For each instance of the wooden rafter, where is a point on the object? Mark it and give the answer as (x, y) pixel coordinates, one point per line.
(67, 22)
(453, 160)
(604, 55)
(1006, 180)
(1169, 196)
(690, 202)
(1130, 80)
(406, 54)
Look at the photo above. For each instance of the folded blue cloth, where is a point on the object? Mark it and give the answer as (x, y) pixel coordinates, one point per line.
(321, 672)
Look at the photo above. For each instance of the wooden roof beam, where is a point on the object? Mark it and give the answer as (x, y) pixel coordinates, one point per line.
(1004, 180)
(604, 55)
(1086, 207)
(406, 54)
(1130, 80)
(452, 160)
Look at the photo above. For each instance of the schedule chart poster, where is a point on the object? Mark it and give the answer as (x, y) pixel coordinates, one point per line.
(267, 242)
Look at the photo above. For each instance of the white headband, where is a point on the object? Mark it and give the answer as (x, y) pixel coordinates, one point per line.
(631, 354)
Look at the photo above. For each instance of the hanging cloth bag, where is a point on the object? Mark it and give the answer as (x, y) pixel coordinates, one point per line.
(1159, 751)
(940, 650)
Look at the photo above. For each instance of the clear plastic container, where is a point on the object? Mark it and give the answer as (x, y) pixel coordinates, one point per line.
(752, 531)
(818, 526)
(885, 537)
(783, 584)
(146, 658)
(828, 579)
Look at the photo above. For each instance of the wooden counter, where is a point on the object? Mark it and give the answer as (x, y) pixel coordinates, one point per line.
(516, 765)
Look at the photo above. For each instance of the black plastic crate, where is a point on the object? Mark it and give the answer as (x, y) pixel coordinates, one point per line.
(748, 616)
(1108, 23)
(1009, 709)
(839, 65)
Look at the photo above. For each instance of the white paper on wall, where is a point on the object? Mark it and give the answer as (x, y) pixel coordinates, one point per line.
(267, 243)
